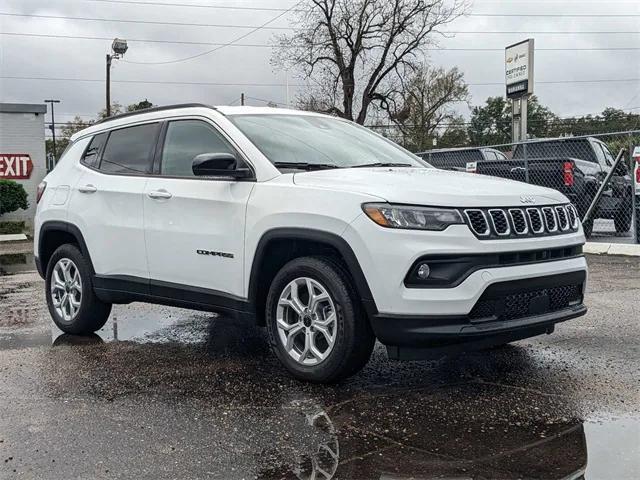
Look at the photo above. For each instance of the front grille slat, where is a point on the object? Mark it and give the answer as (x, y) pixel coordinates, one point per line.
(494, 223)
(563, 221)
(499, 222)
(550, 219)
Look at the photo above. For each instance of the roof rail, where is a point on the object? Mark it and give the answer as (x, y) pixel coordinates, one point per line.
(151, 110)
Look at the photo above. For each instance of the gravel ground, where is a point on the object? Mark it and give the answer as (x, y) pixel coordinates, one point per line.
(169, 393)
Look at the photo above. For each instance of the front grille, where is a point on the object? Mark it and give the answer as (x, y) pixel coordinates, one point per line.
(493, 223)
(527, 303)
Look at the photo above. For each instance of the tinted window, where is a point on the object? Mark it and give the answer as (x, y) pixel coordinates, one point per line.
(185, 140)
(90, 157)
(607, 155)
(129, 150)
(579, 148)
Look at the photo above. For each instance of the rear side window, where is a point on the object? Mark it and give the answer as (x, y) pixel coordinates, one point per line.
(186, 139)
(130, 150)
(91, 155)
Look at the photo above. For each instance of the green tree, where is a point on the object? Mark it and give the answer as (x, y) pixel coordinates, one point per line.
(143, 105)
(12, 197)
(490, 124)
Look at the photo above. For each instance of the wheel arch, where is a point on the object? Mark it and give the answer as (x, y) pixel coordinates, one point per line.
(54, 233)
(280, 245)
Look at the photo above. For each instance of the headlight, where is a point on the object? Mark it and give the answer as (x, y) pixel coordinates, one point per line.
(410, 217)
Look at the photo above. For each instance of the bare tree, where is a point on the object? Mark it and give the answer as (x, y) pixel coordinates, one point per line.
(422, 107)
(351, 51)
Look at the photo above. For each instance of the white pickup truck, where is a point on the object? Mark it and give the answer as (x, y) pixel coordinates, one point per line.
(328, 234)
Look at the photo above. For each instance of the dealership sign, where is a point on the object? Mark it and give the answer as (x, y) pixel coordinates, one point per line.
(15, 166)
(518, 62)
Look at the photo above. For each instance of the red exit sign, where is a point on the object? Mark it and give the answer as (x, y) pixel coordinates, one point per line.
(15, 166)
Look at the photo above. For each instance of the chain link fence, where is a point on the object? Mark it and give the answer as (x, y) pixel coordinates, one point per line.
(598, 173)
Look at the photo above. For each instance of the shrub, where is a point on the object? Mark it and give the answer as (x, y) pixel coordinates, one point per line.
(12, 197)
(11, 227)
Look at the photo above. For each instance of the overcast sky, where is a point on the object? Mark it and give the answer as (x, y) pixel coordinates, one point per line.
(62, 58)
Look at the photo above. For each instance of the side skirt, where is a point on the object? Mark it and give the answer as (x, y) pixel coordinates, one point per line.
(127, 289)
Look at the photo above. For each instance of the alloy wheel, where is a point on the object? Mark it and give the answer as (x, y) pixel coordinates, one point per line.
(66, 289)
(306, 320)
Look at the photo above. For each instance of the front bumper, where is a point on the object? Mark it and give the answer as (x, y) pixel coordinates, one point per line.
(505, 312)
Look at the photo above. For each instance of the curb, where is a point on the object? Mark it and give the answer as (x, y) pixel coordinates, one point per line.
(14, 237)
(627, 249)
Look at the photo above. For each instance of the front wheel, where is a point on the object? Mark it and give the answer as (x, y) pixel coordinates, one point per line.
(315, 322)
(72, 303)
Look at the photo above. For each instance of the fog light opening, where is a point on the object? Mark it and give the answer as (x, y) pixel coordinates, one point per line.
(423, 271)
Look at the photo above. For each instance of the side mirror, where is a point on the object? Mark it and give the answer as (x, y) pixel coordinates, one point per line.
(218, 165)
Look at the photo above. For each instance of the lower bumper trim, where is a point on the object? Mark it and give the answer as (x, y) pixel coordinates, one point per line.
(429, 331)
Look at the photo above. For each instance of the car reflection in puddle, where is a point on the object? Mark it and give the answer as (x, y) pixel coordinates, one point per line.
(453, 430)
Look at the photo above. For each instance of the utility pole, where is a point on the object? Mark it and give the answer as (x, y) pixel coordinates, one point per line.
(242, 99)
(119, 48)
(108, 99)
(53, 127)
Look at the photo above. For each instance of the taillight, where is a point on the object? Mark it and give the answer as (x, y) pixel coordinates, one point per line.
(567, 174)
(637, 171)
(40, 192)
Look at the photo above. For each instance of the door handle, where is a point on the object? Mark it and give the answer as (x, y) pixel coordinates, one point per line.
(87, 189)
(159, 194)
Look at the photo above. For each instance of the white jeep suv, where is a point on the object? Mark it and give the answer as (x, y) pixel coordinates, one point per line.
(328, 234)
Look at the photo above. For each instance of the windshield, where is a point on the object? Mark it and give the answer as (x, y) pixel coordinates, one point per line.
(306, 140)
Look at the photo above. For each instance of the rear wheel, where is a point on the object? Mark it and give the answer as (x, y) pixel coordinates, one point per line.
(316, 325)
(622, 218)
(72, 303)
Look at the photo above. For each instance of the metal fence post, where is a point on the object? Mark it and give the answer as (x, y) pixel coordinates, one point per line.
(635, 228)
(526, 162)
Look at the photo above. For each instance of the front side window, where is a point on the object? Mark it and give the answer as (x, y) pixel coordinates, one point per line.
(306, 139)
(185, 140)
(90, 157)
(129, 150)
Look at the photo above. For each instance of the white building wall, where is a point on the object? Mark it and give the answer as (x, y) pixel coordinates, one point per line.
(23, 132)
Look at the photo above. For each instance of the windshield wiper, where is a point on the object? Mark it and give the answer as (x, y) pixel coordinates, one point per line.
(382, 164)
(305, 165)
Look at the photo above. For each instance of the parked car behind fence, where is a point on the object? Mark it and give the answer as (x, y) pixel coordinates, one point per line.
(575, 166)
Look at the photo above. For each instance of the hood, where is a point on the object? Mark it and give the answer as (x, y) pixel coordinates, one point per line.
(430, 186)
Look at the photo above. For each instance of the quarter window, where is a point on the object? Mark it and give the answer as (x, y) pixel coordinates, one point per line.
(90, 157)
(186, 139)
(129, 150)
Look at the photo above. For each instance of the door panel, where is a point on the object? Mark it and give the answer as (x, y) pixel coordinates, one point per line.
(196, 236)
(109, 214)
(194, 226)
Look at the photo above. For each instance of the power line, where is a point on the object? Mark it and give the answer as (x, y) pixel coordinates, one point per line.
(235, 84)
(146, 22)
(191, 5)
(265, 45)
(217, 25)
(275, 9)
(191, 57)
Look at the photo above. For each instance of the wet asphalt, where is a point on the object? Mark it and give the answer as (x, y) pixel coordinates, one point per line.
(170, 393)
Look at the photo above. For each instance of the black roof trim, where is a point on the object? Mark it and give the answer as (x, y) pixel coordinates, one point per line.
(153, 109)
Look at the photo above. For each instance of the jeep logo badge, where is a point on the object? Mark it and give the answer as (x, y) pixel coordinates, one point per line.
(525, 199)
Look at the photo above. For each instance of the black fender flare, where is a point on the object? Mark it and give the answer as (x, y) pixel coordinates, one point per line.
(320, 236)
(60, 226)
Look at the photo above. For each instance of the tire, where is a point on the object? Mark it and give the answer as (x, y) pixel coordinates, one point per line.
(87, 314)
(353, 338)
(622, 218)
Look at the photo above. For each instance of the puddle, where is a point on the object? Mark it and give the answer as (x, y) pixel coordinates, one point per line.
(16, 263)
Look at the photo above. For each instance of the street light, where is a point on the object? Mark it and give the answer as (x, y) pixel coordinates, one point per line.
(119, 48)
